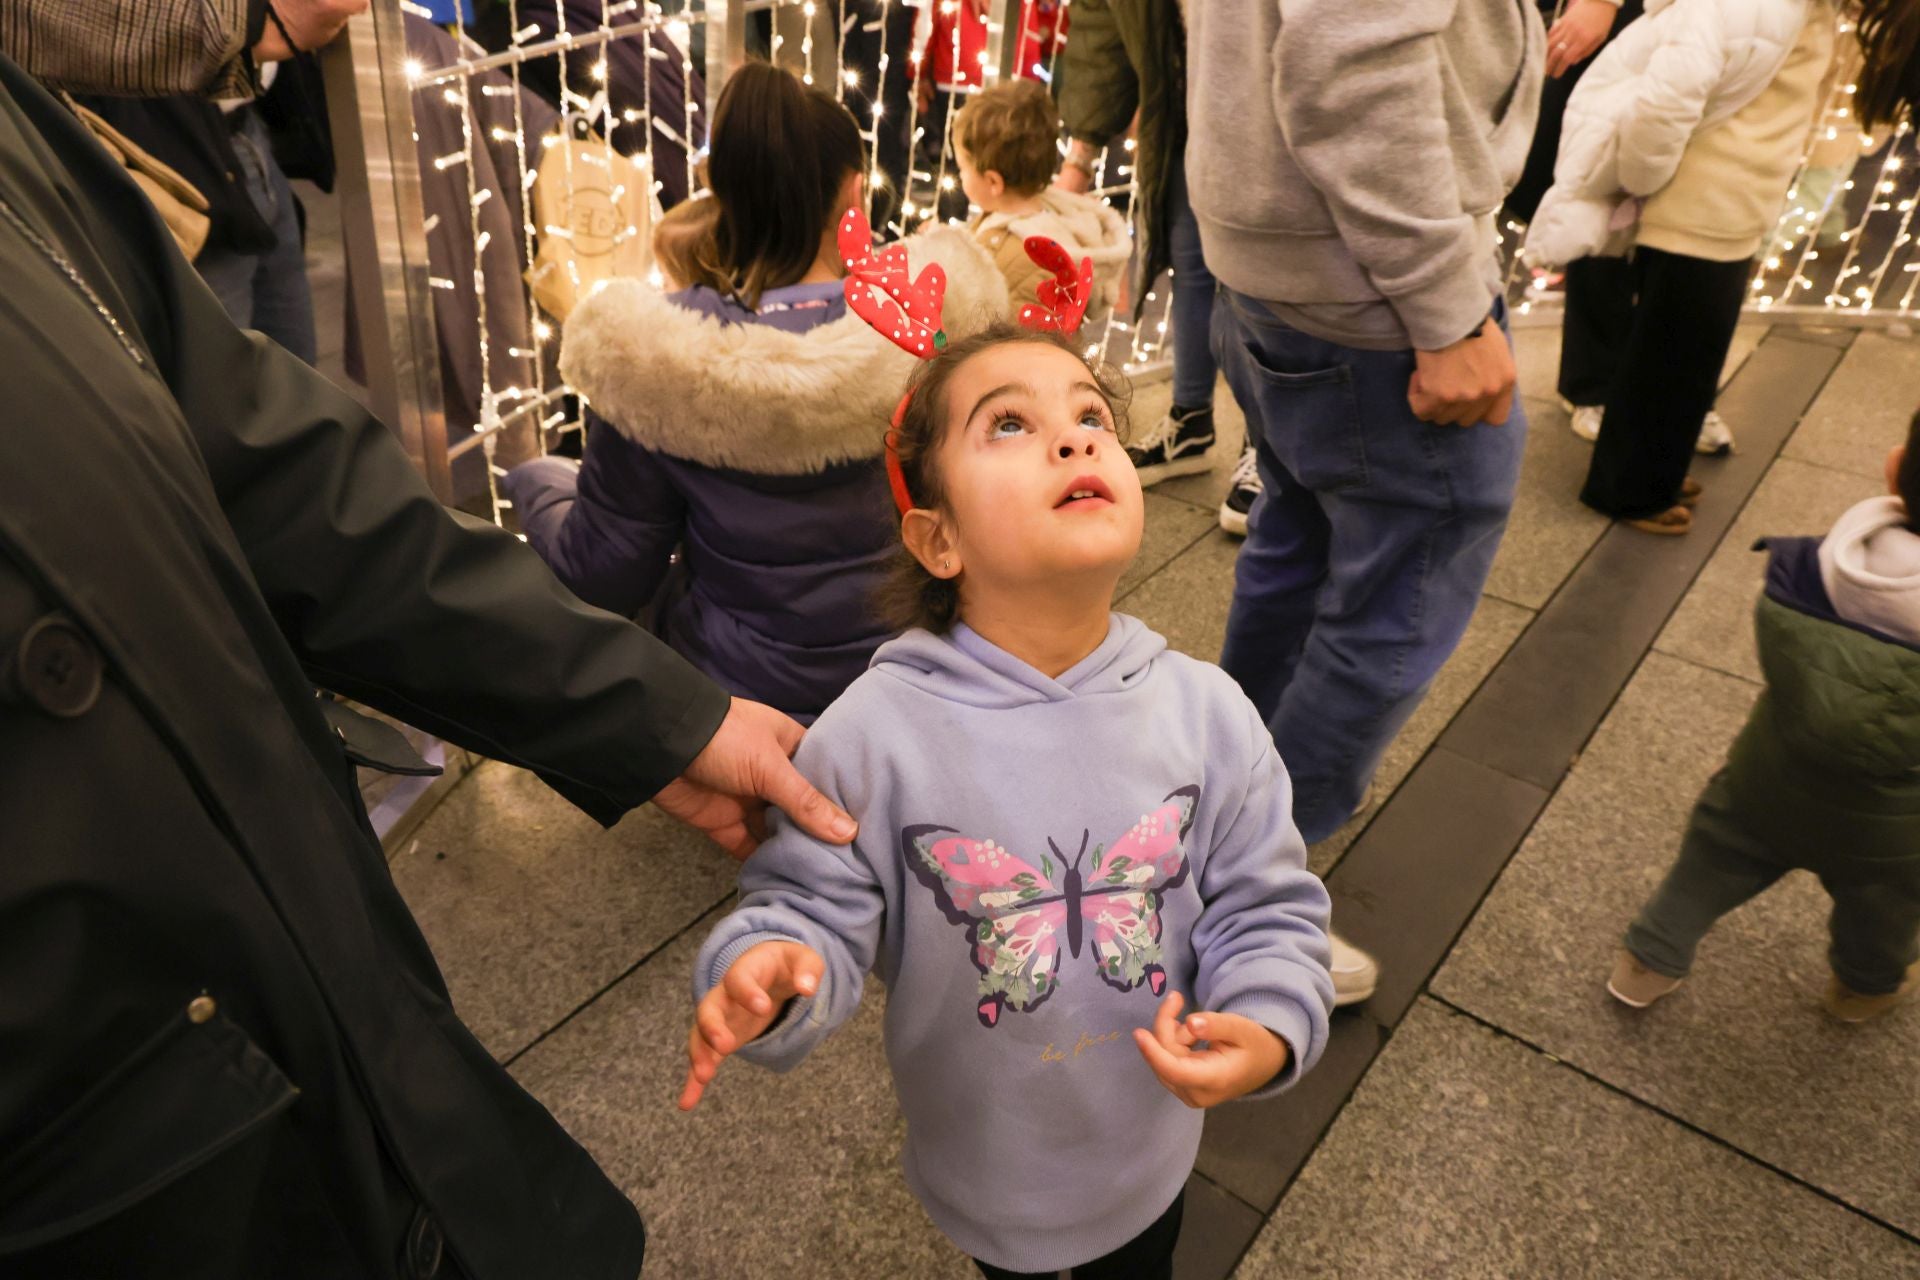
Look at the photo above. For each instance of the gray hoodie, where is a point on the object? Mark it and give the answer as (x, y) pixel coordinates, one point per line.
(1346, 159)
(1039, 862)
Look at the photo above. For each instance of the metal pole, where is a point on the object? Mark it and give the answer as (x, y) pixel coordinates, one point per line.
(1005, 19)
(383, 224)
(726, 46)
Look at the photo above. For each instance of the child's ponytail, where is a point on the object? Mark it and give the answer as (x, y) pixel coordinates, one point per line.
(779, 155)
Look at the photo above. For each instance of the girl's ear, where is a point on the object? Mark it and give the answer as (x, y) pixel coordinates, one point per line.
(1894, 459)
(853, 195)
(930, 540)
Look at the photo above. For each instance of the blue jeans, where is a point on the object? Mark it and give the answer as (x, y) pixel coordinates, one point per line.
(1191, 315)
(265, 291)
(1365, 558)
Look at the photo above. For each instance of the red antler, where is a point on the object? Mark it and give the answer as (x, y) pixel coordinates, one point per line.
(907, 311)
(1063, 299)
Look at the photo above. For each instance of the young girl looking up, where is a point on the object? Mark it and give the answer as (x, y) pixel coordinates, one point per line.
(1070, 838)
(732, 420)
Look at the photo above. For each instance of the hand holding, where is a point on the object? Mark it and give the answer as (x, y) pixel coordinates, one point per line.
(746, 766)
(1581, 29)
(743, 1005)
(1240, 1054)
(1471, 381)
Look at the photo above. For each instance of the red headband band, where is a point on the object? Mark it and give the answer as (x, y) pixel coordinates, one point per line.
(906, 310)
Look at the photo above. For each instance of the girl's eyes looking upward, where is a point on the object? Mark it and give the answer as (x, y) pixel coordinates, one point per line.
(1007, 423)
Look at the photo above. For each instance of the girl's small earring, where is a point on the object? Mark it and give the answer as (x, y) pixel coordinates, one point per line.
(946, 564)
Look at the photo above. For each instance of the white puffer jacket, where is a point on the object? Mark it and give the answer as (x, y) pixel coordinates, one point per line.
(1686, 66)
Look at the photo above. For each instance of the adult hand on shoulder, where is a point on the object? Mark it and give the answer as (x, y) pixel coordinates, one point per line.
(1241, 1055)
(745, 1004)
(1582, 28)
(746, 766)
(1468, 382)
(312, 24)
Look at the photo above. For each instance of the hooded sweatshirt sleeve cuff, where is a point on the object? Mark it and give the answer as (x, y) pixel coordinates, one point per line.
(1293, 1025)
(783, 1045)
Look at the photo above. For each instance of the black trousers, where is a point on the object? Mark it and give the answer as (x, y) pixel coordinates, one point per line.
(1684, 313)
(1148, 1256)
(1594, 328)
(1538, 174)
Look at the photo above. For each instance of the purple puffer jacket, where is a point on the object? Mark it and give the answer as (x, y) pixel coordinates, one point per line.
(751, 443)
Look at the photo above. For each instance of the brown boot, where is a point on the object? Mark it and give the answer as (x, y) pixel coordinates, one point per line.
(1635, 985)
(1844, 1004)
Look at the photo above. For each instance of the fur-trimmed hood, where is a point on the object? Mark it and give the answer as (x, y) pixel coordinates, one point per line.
(750, 397)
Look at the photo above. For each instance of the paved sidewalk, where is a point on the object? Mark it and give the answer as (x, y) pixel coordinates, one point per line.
(1490, 1112)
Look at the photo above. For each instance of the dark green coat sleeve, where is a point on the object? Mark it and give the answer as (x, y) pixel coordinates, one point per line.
(443, 621)
(1099, 91)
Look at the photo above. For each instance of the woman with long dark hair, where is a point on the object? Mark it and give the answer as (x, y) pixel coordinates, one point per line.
(732, 491)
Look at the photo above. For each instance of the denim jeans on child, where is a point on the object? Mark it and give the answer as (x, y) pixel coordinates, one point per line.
(1194, 371)
(265, 291)
(1364, 560)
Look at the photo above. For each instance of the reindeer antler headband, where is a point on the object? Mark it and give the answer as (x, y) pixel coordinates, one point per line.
(906, 310)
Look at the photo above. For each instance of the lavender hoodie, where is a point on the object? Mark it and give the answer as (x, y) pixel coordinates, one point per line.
(1039, 861)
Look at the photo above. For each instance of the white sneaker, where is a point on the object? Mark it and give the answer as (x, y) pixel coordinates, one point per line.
(1715, 439)
(1355, 973)
(1243, 489)
(1586, 421)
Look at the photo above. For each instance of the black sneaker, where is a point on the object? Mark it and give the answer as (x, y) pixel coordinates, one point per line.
(1246, 487)
(1176, 446)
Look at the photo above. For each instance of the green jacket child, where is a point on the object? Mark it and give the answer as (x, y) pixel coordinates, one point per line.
(1825, 776)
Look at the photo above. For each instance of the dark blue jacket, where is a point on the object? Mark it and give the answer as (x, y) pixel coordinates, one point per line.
(749, 442)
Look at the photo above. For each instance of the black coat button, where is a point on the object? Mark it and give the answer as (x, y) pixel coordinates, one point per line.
(426, 1247)
(58, 668)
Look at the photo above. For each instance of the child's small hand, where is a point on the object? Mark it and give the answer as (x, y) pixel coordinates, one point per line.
(1241, 1055)
(745, 1004)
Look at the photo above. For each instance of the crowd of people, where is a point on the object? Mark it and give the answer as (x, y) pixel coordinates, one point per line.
(833, 582)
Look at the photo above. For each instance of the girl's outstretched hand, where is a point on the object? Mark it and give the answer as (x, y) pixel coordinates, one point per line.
(743, 1005)
(1239, 1055)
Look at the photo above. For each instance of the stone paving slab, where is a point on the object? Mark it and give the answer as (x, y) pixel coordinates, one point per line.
(1550, 528)
(1466, 1154)
(1171, 527)
(771, 1177)
(1714, 624)
(1742, 1050)
(1495, 626)
(531, 907)
(1865, 409)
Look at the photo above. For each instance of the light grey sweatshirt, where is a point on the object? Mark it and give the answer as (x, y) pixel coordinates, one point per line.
(1039, 862)
(1346, 159)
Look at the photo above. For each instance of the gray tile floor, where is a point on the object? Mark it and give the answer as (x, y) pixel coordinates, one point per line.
(1491, 1113)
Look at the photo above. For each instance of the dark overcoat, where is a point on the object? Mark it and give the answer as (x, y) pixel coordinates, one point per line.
(225, 1049)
